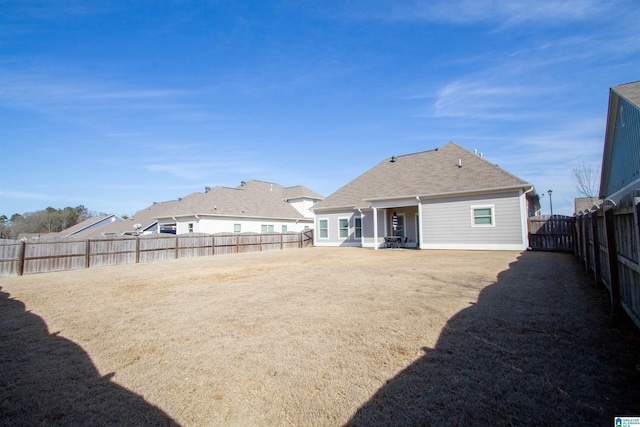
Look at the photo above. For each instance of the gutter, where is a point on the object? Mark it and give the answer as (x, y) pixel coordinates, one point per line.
(175, 217)
(451, 193)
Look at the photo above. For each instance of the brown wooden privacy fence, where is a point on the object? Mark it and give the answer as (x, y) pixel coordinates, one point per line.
(607, 246)
(551, 233)
(27, 257)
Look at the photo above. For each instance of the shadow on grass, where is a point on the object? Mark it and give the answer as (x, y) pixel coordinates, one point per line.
(48, 380)
(539, 347)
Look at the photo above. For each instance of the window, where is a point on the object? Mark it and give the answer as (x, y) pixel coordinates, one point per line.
(284, 228)
(323, 225)
(344, 227)
(482, 216)
(358, 228)
(267, 228)
(190, 227)
(237, 228)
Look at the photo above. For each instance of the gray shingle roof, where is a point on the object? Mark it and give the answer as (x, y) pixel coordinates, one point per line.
(426, 173)
(629, 91)
(86, 224)
(253, 199)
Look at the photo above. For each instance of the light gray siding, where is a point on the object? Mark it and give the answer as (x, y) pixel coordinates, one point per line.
(333, 220)
(448, 223)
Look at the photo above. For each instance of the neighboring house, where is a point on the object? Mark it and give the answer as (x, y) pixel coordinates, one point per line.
(253, 206)
(621, 156)
(89, 226)
(143, 222)
(585, 204)
(447, 198)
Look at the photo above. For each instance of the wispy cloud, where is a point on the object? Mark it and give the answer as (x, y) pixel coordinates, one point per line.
(468, 98)
(502, 12)
(29, 196)
(205, 169)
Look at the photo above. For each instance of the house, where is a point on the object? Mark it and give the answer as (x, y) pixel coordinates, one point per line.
(253, 206)
(143, 222)
(585, 204)
(88, 227)
(447, 198)
(621, 156)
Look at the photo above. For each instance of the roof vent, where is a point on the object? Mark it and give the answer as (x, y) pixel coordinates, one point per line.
(393, 159)
(242, 183)
(207, 189)
(459, 163)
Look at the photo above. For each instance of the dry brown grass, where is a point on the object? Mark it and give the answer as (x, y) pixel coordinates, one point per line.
(319, 336)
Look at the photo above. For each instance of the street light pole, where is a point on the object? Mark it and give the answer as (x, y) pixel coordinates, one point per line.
(550, 202)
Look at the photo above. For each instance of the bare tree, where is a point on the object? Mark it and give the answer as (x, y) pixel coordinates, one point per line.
(586, 179)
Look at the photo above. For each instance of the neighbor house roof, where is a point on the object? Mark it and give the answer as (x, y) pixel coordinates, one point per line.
(629, 91)
(450, 169)
(300, 192)
(102, 226)
(89, 224)
(145, 217)
(256, 199)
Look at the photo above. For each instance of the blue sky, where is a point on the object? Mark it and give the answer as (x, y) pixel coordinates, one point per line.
(117, 104)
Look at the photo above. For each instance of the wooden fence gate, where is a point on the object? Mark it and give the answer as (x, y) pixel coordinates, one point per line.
(551, 233)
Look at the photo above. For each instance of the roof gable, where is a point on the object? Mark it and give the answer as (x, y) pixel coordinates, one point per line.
(450, 169)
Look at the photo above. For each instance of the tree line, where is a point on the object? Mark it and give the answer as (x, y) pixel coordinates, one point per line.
(49, 220)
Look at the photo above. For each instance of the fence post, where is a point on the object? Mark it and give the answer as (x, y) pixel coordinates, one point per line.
(20, 260)
(614, 281)
(597, 268)
(137, 249)
(281, 243)
(588, 225)
(636, 211)
(177, 246)
(87, 253)
(260, 242)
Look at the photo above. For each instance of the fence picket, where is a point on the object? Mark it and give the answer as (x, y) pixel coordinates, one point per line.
(56, 255)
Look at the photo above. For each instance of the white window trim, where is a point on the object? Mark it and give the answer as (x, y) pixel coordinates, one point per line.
(355, 227)
(319, 228)
(340, 228)
(493, 216)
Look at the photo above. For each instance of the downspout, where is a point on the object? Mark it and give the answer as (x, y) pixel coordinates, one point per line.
(361, 228)
(375, 228)
(524, 218)
(419, 222)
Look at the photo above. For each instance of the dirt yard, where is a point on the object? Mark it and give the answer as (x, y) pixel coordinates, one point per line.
(317, 336)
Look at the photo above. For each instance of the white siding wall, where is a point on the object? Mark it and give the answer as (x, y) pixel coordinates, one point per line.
(303, 206)
(447, 223)
(213, 225)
